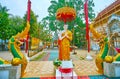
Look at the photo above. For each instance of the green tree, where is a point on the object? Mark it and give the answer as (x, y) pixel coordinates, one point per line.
(3, 16)
(3, 24)
(16, 25)
(55, 5)
(44, 34)
(77, 25)
(3, 21)
(91, 13)
(54, 24)
(9, 25)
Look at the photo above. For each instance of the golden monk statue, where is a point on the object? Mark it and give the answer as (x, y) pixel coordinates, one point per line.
(64, 43)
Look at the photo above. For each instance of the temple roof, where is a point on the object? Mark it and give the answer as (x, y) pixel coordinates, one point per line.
(104, 15)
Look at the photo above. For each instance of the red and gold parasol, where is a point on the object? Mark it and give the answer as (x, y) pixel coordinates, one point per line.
(66, 14)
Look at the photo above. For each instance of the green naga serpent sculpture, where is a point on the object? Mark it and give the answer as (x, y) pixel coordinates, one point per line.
(104, 44)
(14, 47)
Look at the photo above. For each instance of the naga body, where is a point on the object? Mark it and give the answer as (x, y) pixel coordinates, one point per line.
(19, 57)
(14, 47)
(104, 44)
(2, 61)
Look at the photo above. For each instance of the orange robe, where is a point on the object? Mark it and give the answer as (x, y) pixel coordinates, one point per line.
(64, 46)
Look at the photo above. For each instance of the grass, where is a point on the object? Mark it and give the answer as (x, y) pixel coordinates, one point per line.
(39, 57)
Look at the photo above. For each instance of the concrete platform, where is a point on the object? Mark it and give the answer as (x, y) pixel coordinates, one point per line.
(112, 69)
(10, 72)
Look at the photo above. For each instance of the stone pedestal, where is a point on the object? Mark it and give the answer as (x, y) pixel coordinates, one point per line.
(66, 71)
(71, 75)
(10, 72)
(112, 69)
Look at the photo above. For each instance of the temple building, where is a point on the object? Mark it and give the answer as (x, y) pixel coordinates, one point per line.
(103, 17)
(108, 21)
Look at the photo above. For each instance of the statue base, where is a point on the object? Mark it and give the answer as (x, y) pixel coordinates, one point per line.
(7, 71)
(112, 69)
(66, 71)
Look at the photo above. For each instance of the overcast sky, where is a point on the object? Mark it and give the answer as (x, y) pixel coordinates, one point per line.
(19, 7)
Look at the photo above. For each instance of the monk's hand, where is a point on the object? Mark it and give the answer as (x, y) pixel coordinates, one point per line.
(66, 35)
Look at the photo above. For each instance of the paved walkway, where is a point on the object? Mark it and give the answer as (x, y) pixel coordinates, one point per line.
(46, 68)
(6, 55)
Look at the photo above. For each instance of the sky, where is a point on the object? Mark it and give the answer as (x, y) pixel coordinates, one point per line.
(19, 7)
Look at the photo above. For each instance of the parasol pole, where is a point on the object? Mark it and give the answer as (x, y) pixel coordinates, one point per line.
(89, 57)
(27, 37)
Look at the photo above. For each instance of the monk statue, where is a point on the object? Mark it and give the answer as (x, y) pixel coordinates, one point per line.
(64, 39)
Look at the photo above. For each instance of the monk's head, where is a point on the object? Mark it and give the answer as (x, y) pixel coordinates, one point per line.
(65, 27)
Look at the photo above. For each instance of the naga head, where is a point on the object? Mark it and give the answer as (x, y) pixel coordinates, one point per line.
(99, 37)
